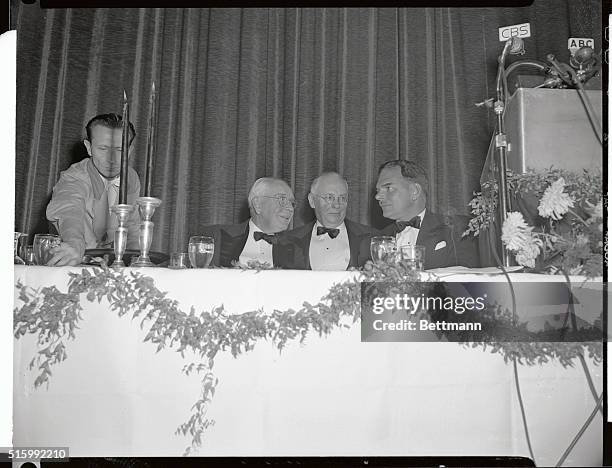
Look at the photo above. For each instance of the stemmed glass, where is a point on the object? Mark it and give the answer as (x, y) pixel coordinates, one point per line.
(201, 250)
(383, 249)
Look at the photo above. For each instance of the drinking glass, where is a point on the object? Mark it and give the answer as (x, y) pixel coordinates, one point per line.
(383, 248)
(28, 256)
(43, 243)
(178, 260)
(413, 256)
(201, 250)
(17, 259)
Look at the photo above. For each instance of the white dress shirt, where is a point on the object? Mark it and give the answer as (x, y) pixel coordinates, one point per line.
(259, 251)
(329, 254)
(409, 235)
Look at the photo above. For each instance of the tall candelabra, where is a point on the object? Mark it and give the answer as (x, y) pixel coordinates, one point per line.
(146, 208)
(122, 211)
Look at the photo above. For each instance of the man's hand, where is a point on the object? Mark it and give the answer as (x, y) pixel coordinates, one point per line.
(64, 254)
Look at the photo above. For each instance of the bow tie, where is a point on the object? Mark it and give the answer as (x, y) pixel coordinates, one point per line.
(269, 238)
(332, 232)
(414, 222)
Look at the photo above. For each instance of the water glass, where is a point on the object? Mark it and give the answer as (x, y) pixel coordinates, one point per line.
(43, 243)
(17, 258)
(178, 260)
(201, 250)
(383, 249)
(413, 256)
(28, 255)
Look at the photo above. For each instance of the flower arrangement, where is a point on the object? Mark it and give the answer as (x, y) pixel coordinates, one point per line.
(557, 224)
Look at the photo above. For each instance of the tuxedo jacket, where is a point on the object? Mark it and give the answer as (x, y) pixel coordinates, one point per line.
(444, 246)
(230, 240)
(294, 252)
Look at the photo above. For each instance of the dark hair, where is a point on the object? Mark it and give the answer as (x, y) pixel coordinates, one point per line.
(108, 121)
(410, 170)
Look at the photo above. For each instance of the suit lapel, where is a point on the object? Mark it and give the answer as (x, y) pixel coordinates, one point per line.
(355, 239)
(304, 242)
(233, 239)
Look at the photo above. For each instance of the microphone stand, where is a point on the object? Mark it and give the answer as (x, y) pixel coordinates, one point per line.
(501, 143)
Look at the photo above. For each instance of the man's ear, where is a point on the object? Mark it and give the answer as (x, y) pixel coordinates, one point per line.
(418, 190)
(311, 200)
(256, 204)
(87, 144)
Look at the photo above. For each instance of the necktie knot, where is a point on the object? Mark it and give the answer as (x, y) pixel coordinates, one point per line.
(269, 238)
(331, 232)
(414, 222)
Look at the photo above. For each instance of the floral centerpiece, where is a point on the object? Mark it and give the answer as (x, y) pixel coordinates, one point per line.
(557, 224)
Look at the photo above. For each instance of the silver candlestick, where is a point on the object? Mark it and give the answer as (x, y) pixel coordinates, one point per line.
(146, 208)
(122, 212)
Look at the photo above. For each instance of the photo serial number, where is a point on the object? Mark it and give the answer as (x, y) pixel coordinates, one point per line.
(35, 453)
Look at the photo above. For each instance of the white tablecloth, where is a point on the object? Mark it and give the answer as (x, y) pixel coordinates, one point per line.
(114, 396)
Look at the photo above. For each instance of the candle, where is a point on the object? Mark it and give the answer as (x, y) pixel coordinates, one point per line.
(150, 143)
(125, 146)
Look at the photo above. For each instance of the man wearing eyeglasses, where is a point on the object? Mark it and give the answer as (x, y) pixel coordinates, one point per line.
(255, 242)
(401, 191)
(331, 242)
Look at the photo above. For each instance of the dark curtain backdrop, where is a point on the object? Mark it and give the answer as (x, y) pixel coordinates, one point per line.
(246, 93)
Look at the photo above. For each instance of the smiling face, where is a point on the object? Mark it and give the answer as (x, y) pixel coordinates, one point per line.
(399, 197)
(274, 207)
(328, 198)
(105, 150)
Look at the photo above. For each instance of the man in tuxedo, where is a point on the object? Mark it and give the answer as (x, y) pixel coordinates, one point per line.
(401, 191)
(331, 242)
(255, 241)
(80, 207)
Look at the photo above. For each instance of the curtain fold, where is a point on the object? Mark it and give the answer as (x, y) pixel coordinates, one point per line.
(247, 93)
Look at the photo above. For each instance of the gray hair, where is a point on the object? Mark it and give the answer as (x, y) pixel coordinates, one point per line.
(260, 186)
(315, 183)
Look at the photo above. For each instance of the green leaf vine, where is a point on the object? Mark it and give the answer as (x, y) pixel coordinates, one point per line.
(53, 316)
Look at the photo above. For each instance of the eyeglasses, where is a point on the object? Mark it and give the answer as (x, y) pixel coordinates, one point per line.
(331, 198)
(283, 200)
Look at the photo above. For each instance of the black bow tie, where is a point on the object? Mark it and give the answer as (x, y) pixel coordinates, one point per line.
(269, 238)
(414, 222)
(332, 232)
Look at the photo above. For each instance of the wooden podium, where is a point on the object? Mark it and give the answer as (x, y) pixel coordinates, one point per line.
(549, 127)
(545, 128)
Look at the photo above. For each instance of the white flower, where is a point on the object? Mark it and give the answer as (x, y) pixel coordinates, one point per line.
(528, 253)
(515, 232)
(555, 202)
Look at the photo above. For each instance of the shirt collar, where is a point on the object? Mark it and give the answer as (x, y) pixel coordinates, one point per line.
(342, 227)
(253, 227)
(108, 182)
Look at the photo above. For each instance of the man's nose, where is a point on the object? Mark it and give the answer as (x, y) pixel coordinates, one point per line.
(379, 196)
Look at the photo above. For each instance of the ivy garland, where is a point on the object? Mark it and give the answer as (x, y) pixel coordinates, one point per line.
(53, 316)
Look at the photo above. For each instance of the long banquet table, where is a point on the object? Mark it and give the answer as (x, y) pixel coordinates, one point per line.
(329, 396)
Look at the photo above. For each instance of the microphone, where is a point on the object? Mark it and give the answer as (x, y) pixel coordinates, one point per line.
(517, 46)
(583, 57)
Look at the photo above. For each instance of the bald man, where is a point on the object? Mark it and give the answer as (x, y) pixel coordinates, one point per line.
(255, 241)
(331, 242)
